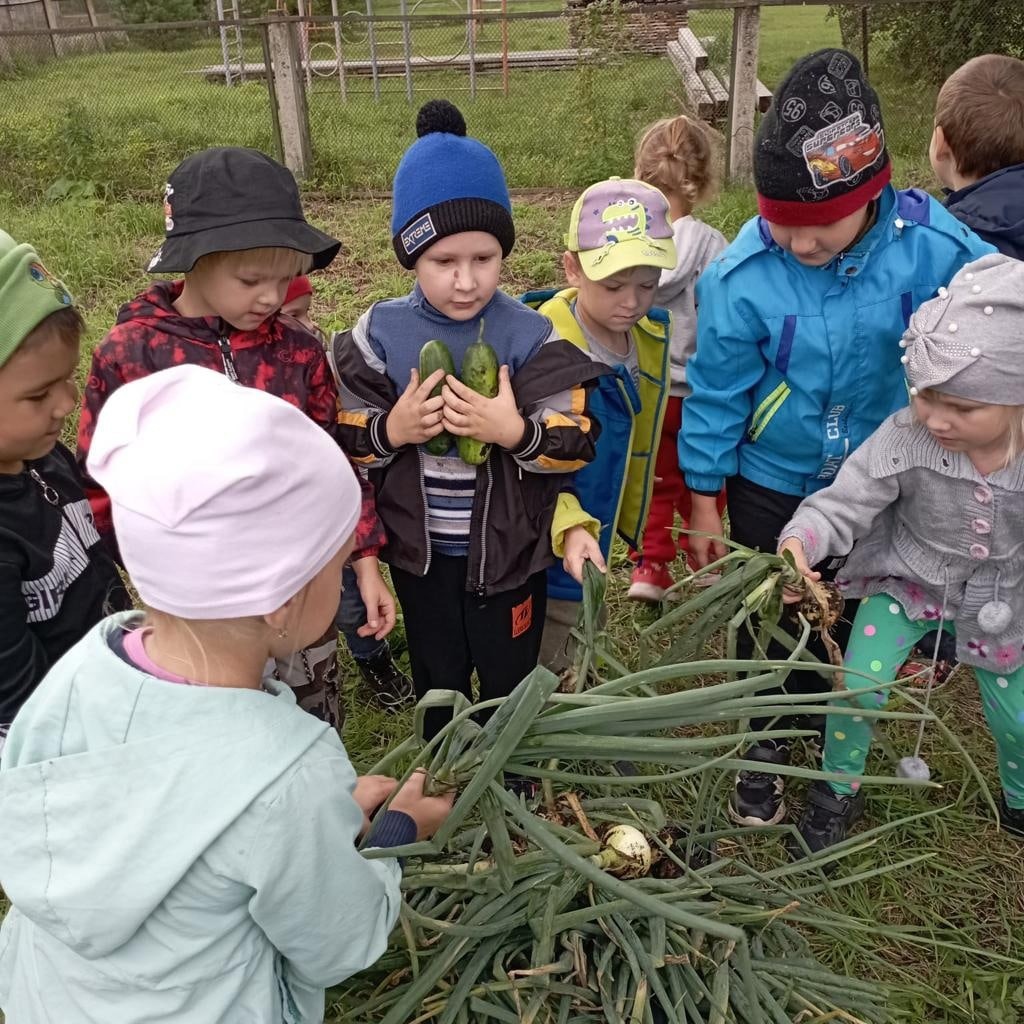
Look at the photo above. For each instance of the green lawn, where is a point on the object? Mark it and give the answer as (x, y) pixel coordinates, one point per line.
(118, 122)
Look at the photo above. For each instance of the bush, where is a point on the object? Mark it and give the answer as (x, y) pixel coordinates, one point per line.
(930, 41)
(147, 12)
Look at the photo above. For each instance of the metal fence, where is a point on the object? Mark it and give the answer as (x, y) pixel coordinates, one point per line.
(560, 91)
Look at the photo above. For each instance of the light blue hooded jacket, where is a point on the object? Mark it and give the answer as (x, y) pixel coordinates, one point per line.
(796, 366)
(178, 853)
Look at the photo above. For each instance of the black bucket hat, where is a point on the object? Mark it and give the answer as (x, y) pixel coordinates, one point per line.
(229, 199)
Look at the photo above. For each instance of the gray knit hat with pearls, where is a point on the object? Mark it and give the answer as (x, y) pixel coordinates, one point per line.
(969, 340)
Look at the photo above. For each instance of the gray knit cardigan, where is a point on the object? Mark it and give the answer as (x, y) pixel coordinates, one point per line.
(926, 528)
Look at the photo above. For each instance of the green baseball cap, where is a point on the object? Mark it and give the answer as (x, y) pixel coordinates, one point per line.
(619, 224)
(29, 293)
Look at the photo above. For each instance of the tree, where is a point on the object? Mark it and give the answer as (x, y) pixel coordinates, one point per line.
(928, 41)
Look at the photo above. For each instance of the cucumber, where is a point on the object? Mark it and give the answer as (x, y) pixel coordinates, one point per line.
(435, 356)
(479, 372)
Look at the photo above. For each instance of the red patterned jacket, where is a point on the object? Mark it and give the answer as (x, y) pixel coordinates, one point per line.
(279, 357)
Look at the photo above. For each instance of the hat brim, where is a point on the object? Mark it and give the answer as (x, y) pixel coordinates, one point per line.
(610, 259)
(179, 253)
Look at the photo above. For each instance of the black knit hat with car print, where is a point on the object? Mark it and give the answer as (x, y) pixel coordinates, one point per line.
(820, 150)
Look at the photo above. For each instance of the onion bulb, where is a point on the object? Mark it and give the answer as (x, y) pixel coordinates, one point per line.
(626, 853)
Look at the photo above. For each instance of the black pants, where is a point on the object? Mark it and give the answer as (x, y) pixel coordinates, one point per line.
(452, 631)
(756, 517)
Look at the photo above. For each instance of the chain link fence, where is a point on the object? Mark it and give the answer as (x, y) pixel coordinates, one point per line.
(559, 90)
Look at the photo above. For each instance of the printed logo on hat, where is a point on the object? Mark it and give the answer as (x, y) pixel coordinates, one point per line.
(793, 109)
(168, 212)
(839, 65)
(839, 152)
(38, 273)
(418, 233)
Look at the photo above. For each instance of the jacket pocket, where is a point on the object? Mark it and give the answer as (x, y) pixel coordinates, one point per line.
(768, 409)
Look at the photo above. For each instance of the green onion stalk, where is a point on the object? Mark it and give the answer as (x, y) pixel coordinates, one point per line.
(623, 899)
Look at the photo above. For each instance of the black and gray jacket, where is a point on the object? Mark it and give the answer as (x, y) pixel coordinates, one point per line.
(56, 582)
(516, 490)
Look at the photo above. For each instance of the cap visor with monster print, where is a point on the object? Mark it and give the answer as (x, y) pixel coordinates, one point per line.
(618, 224)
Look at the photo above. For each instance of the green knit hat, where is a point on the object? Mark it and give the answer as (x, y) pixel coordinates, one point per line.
(29, 293)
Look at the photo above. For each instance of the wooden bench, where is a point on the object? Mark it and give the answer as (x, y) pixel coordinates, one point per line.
(708, 93)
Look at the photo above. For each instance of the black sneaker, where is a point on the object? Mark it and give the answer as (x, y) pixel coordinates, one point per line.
(757, 799)
(387, 685)
(1011, 819)
(827, 818)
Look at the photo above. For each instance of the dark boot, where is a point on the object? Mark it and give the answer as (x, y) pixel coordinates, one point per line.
(385, 683)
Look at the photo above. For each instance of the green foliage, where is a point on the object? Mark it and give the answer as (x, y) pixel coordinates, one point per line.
(929, 41)
(148, 12)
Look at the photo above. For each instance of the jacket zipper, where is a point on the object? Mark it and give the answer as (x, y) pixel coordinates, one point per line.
(426, 514)
(481, 590)
(227, 359)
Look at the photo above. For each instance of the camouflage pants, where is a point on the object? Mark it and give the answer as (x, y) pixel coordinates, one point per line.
(312, 674)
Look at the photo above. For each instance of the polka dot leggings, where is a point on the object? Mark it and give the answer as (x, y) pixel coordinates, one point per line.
(881, 639)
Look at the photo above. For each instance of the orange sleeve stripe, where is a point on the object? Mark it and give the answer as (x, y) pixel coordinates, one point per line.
(558, 419)
(560, 465)
(352, 419)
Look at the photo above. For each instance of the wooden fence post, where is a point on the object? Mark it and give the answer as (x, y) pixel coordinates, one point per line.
(290, 96)
(746, 27)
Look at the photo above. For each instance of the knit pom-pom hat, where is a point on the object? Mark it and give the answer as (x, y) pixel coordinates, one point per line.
(447, 183)
(820, 150)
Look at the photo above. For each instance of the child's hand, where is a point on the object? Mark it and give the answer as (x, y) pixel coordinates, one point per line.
(429, 812)
(579, 547)
(370, 792)
(491, 420)
(796, 549)
(705, 518)
(379, 601)
(416, 417)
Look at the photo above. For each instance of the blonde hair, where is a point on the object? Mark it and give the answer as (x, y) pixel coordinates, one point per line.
(678, 155)
(1014, 423)
(278, 261)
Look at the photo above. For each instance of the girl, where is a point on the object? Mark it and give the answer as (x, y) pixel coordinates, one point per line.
(935, 498)
(675, 154)
(179, 836)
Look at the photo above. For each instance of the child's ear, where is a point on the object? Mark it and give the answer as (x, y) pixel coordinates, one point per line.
(571, 266)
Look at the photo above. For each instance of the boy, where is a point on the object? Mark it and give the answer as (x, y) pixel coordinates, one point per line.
(619, 240)
(235, 229)
(56, 581)
(467, 544)
(977, 148)
(798, 357)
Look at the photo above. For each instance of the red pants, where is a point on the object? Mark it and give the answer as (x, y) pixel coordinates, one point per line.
(669, 496)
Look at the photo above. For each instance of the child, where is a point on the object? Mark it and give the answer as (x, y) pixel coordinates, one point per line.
(977, 153)
(298, 301)
(797, 360)
(56, 581)
(235, 228)
(218, 878)
(676, 155)
(977, 148)
(934, 502)
(386, 684)
(620, 238)
(467, 545)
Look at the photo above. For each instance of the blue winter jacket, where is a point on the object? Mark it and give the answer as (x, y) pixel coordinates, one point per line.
(796, 366)
(994, 208)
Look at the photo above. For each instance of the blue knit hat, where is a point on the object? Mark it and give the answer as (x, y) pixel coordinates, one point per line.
(447, 183)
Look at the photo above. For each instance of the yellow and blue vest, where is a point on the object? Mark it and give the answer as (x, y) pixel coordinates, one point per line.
(616, 487)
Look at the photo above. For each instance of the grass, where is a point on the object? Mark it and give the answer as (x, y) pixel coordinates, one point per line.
(118, 122)
(970, 890)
